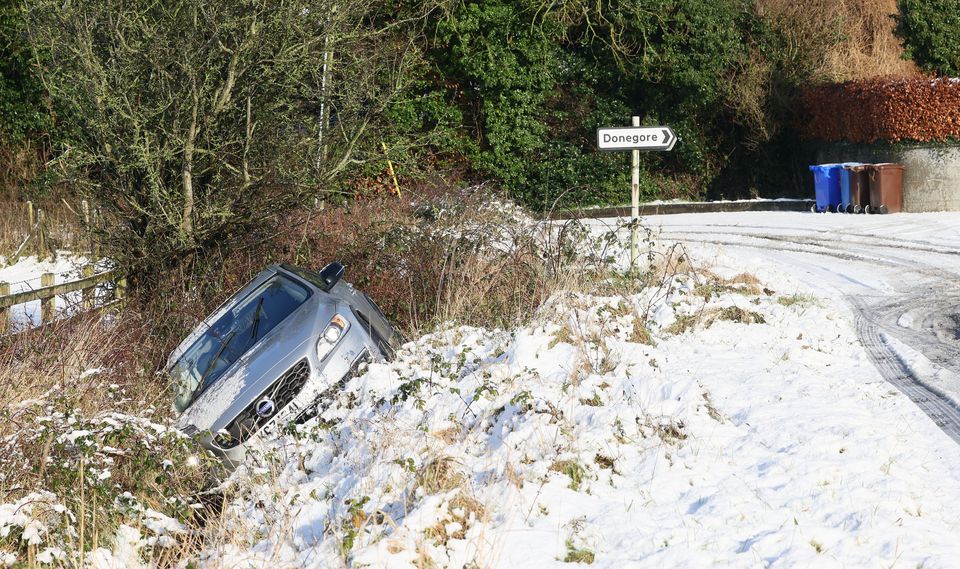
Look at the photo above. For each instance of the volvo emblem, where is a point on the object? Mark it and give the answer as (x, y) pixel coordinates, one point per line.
(265, 408)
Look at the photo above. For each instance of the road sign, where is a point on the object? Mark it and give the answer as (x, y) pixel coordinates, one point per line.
(636, 138)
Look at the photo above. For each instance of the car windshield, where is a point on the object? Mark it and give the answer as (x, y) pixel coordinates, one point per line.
(231, 335)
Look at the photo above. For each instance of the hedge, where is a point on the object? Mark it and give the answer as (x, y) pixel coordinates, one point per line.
(921, 109)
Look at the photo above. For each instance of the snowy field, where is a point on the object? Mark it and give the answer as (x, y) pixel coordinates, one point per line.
(584, 438)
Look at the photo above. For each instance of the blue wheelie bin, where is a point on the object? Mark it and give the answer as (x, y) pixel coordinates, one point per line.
(826, 183)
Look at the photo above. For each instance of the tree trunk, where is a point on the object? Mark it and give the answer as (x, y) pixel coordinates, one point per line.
(246, 146)
(188, 147)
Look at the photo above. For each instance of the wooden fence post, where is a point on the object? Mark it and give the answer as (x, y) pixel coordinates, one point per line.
(88, 294)
(4, 313)
(41, 235)
(85, 205)
(95, 243)
(48, 306)
(121, 292)
(31, 221)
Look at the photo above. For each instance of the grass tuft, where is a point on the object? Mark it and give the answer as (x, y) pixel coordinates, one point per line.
(738, 315)
(797, 299)
(578, 555)
(573, 469)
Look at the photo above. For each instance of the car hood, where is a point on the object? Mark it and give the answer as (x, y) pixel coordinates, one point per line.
(288, 343)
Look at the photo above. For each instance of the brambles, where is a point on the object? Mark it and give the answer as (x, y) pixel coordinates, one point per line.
(640, 333)
(85, 483)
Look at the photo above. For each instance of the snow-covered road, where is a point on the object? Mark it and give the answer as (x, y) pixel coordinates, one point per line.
(896, 276)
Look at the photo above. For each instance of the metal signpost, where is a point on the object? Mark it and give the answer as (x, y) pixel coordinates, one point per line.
(636, 138)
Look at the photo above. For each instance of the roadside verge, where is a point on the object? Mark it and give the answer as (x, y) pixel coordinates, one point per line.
(685, 207)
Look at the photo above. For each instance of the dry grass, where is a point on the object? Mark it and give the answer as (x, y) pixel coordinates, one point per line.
(465, 511)
(712, 285)
(640, 334)
(77, 376)
(683, 323)
(707, 318)
(744, 279)
(63, 225)
(461, 256)
(447, 436)
(573, 470)
(49, 362)
(578, 555)
(734, 314)
(439, 475)
(443, 475)
(797, 299)
(849, 39)
(668, 430)
(84, 366)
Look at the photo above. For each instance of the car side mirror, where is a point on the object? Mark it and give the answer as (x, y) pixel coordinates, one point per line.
(331, 275)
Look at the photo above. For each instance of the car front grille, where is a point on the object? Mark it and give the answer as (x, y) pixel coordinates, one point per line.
(266, 406)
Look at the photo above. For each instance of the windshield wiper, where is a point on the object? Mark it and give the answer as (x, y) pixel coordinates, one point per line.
(223, 345)
(256, 319)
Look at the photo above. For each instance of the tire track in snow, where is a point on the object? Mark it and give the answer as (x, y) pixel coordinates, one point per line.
(940, 408)
(945, 354)
(827, 252)
(864, 241)
(925, 288)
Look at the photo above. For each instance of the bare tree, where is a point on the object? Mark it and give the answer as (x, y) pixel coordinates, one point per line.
(198, 117)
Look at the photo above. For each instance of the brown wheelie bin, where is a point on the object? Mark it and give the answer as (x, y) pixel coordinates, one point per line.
(886, 188)
(859, 187)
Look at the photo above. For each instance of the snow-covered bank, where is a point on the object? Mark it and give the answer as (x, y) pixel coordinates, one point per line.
(611, 431)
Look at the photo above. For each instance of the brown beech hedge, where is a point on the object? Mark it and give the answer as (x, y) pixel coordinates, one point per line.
(922, 109)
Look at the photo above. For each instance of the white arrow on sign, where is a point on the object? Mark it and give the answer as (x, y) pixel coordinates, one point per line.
(636, 138)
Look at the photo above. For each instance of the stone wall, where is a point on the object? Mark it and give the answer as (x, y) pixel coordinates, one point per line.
(931, 177)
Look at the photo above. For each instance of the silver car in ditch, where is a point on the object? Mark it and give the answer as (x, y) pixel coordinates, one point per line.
(273, 354)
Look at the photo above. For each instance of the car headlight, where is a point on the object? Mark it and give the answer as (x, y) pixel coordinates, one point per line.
(225, 440)
(334, 332)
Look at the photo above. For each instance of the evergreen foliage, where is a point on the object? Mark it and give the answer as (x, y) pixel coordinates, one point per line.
(22, 109)
(930, 30)
(519, 88)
